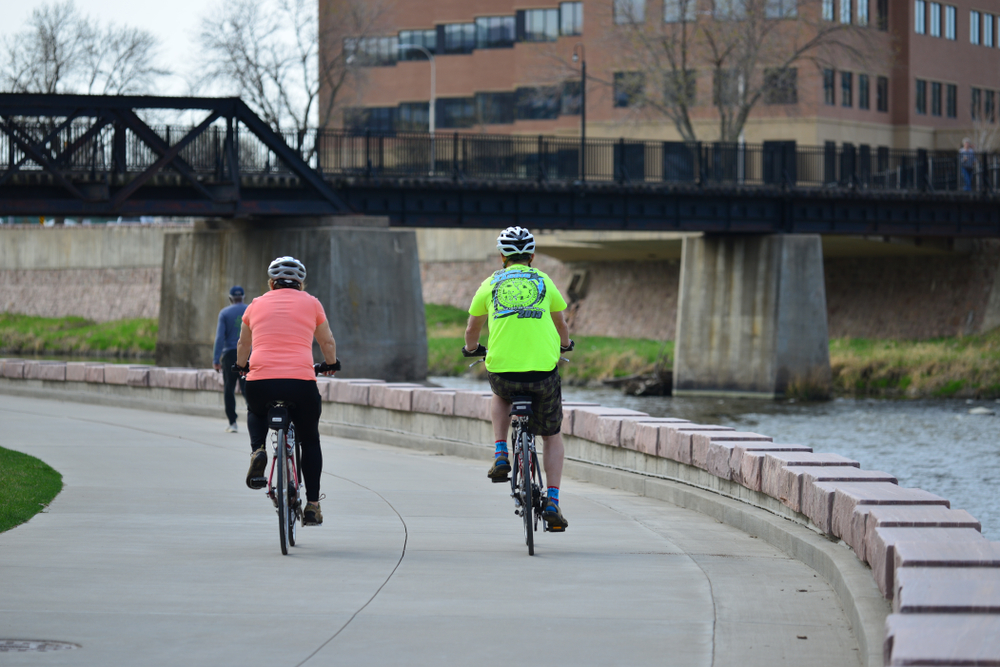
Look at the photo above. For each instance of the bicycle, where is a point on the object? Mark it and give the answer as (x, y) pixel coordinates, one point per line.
(284, 481)
(526, 481)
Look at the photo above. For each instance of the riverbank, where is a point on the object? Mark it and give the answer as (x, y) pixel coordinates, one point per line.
(955, 367)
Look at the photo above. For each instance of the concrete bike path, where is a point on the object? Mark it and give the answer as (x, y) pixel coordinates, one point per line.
(155, 553)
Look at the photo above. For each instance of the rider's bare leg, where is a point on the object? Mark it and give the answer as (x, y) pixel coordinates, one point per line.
(500, 416)
(552, 458)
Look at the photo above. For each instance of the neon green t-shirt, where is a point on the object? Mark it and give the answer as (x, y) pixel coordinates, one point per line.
(523, 338)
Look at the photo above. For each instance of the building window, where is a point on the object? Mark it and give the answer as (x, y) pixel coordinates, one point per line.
(935, 19)
(935, 98)
(974, 27)
(862, 12)
(494, 108)
(846, 89)
(372, 51)
(949, 22)
(882, 14)
(571, 18)
(424, 38)
(828, 9)
(541, 103)
(977, 103)
(413, 117)
(629, 88)
(989, 106)
(828, 92)
(845, 11)
(494, 32)
(678, 11)
(951, 100)
(569, 104)
(629, 11)
(921, 97)
(459, 37)
(455, 112)
(988, 30)
(863, 92)
(370, 119)
(920, 17)
(729, 10)
(541, 25)
(781, 86)
(680, 88)
(882, 94)
(779, 9)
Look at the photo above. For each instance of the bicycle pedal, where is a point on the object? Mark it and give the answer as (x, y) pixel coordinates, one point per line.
(554, 529)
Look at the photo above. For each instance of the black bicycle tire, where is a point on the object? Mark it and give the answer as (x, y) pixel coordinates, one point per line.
(280, 493)
(526, 495)
(293, 493)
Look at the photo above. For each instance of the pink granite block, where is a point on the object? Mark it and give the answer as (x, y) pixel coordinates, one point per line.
(182, 378)
(869, 517)
(137, 376)
(831, 505)
(947, 554)
(76, 371)
(675, 440)
(948, 640)
(629, 437)
(881, 543)
(115, 373)
(47, 370)
(473, 404)
(587, 422)
(351, 391)
(29, 368)
(701, 441)
(209, 379)
(434, 401)
(946, 590)
(94, 373)
(323, 383)
(772, 476)
(747, 461)
(786, 483)
(393, 395)
(14, 369)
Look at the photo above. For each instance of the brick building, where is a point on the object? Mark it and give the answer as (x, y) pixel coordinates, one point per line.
(506, 66)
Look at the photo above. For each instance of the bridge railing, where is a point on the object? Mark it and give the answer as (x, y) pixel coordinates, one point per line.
(336, 153)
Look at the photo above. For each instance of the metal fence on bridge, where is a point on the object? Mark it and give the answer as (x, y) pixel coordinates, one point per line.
(518, 158)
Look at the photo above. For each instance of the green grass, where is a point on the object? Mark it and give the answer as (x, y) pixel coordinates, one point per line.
(27, 486)
(25, 334)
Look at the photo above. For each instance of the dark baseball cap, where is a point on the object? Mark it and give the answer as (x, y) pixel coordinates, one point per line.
(236, 291)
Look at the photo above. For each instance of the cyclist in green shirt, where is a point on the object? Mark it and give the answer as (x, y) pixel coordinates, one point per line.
(527, 332)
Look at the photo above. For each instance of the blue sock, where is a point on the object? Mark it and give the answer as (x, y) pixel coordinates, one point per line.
(501, 448)
(553, 494)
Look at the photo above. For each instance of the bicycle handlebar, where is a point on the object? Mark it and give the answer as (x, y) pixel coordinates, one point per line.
(480, 351)
(327, 368)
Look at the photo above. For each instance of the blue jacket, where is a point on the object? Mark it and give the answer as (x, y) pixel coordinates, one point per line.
(228, 332)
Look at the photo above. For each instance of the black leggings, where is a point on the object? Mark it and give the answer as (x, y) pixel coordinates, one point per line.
(306, 407)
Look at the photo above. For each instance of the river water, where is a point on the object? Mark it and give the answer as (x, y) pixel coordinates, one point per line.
(935, 445)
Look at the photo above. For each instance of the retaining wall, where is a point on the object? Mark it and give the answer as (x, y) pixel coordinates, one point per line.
(882, 547)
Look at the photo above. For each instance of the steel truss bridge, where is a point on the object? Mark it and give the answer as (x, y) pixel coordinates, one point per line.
(100, 156)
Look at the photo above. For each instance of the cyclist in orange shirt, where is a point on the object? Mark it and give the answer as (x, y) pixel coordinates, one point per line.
(280, 326)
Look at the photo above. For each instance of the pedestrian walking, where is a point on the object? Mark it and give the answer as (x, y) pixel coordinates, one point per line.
(224, 356)
(967, 161)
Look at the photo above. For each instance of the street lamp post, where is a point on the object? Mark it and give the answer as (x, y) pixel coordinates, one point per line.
(430, 115)
(580, 54)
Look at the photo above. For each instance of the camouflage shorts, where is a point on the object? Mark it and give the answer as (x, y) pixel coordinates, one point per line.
(546, 400)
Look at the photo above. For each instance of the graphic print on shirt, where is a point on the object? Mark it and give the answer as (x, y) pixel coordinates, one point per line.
(517, 292)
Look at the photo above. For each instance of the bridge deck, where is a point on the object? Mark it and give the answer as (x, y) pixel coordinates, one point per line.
(155, 552)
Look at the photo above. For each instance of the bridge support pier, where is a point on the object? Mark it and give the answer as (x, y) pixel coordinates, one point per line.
(751, 317)
(368, 280)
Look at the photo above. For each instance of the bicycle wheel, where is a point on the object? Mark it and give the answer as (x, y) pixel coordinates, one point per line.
(294, 512)
(527, 501)
(281, 472)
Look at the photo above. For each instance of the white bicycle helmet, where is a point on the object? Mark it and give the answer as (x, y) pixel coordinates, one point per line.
(515, 241)
(287, 268)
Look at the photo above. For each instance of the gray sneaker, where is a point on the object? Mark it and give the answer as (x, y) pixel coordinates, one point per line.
(553, 517)
(311, 515)
(231, 428)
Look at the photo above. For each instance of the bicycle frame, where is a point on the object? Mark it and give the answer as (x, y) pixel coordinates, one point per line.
(526, 476)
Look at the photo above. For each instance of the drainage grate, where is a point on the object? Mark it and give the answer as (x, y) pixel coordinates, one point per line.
(33, 646)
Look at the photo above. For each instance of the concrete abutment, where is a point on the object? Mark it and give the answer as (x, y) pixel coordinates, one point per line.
(367, 278)
(751, 317)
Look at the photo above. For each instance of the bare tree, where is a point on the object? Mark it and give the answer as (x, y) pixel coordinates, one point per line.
(751, 49)
(273, 55)
(62, 51)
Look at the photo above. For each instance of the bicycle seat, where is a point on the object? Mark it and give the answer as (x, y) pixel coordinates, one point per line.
(520, 406)
(277, 416)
